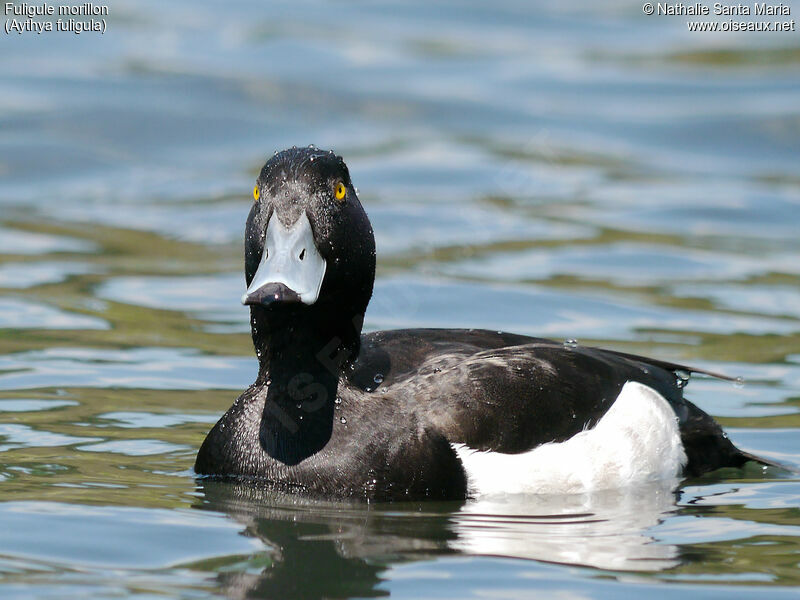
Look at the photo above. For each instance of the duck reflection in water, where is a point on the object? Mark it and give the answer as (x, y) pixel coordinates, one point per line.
(317, 549)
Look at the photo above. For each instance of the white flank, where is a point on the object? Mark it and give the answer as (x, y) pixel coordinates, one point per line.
(636, 441)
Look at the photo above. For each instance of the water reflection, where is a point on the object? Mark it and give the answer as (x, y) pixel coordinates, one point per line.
(340, 550)
(606, 529)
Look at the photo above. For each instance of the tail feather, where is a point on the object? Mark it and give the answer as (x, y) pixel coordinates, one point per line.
(708, 448)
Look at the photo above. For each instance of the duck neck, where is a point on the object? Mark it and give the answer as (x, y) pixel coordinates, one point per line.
(302, 355)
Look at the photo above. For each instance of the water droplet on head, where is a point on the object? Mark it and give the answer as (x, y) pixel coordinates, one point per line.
(437, 370)
(571, 343)
(378, 378)
(337, 401)
(367, 389)
(343, 421)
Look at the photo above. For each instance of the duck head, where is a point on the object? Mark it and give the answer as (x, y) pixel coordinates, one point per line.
(309, 246)
(309, 268)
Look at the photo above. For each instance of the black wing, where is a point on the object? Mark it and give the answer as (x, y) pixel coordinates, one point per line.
(511, 393)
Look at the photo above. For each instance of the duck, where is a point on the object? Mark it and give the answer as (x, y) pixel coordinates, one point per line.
(425, 414)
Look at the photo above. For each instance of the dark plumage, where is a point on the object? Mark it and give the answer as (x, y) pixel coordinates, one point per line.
(335, 413)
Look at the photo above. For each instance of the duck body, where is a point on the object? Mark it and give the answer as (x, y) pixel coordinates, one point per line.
(425, 413)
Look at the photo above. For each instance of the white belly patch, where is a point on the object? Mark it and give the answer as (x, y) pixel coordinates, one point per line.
(636, 441)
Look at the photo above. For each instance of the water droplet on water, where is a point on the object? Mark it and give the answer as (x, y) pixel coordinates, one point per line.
(570, 343)
(739, 382)
(343, 421)
(378, 378)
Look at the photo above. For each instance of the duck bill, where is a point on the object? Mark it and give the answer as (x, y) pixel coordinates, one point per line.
(291, 268)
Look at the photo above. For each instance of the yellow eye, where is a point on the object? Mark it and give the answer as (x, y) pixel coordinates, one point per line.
(256, 194)
(340, 191)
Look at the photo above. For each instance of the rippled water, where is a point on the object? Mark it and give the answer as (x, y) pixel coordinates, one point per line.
(572, 170)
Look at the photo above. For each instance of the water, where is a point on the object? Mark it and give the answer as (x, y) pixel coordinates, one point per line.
(579, 171)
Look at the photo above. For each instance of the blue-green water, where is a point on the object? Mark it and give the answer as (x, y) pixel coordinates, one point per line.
(573, 170)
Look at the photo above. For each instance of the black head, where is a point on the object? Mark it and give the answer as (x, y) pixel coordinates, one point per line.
(309, 246)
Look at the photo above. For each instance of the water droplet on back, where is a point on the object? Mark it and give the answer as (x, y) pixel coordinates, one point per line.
(682, 378)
